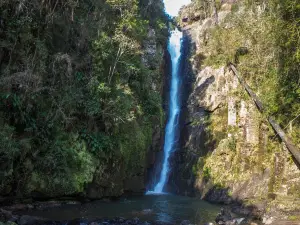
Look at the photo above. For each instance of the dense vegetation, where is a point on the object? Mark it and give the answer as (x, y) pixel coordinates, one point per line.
(76, 91)
(262, 39)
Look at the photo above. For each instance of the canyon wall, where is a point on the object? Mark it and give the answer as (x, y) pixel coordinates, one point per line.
(229, 153)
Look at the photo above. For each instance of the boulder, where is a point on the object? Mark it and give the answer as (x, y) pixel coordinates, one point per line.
(223, 217)
(5, 215)
(31, 220)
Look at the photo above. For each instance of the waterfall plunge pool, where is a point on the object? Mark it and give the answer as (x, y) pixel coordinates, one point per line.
(157, 209)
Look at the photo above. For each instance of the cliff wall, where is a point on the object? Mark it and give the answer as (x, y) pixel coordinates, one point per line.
(229, 152)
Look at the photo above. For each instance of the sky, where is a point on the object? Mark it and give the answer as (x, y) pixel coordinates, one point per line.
(173, 6)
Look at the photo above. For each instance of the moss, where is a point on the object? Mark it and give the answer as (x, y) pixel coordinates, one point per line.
(216, 126)
(134, 143)
(63, 171)
(294, 217)
(294, 190)
(206, 173)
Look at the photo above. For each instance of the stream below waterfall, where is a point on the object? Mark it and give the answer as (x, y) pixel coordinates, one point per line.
(168, 209)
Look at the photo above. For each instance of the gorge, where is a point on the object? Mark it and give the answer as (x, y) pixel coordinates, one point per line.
(114, 112)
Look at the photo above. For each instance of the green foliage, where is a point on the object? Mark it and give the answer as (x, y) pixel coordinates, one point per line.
(206, 173)
(135, 140)
(74, 92)
(232, 144)
(9, 153)
(63, 169)
(263, 41)
(289, 59)
(154, 12)
(99, 144)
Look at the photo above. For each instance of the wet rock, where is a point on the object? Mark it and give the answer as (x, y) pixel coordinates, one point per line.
(218, 195)
(146, 223)
(147, 211)
(5, 215)
(238, 221)
(49, 204)
(8, 217)
(136, 220)
(14, 218)
(104, 223)
(8, 223)
(135, 185)
(223, 217)
(121, 220)
(185, 222)
(256, 210)
(19, 207)
(30, 220)
(103, 180)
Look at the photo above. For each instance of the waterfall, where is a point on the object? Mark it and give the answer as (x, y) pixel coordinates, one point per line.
(174, 48)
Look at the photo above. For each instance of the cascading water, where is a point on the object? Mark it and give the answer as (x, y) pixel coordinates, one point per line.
(174, 48)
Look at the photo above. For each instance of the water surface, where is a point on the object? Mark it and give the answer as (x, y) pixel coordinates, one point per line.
(153, 208)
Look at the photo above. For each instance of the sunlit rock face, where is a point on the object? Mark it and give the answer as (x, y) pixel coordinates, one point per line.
(225, 154)
(150, 49)
(210, 89)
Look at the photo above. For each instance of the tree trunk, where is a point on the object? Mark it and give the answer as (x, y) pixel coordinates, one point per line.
(289, 144)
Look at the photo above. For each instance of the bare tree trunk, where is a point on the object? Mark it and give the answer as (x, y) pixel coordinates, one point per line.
(112, 69)
(286, 139)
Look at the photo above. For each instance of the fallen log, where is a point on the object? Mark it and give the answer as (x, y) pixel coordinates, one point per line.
(293, 149)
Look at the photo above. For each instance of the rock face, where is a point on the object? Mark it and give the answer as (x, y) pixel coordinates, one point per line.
(107, 182)
(228, 153)
(179, 178)
(155, 153)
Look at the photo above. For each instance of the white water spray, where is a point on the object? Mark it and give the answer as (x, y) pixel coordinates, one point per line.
(174, 48)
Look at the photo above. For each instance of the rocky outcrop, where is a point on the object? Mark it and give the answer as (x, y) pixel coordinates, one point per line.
(155, 152)
(229, 153)
(107, 182)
